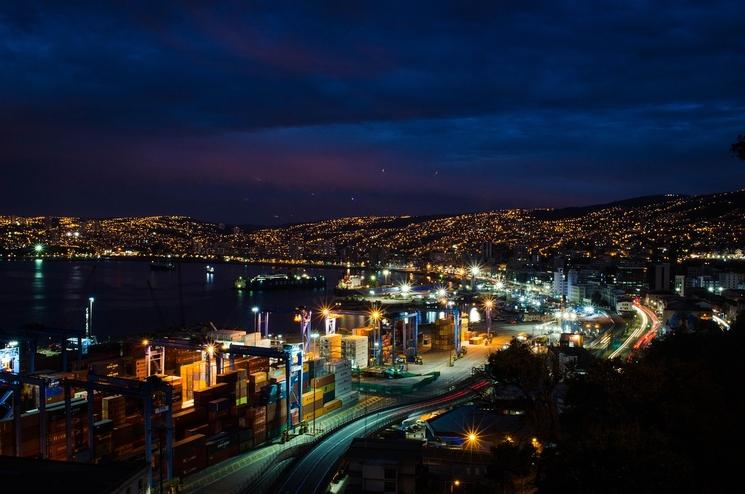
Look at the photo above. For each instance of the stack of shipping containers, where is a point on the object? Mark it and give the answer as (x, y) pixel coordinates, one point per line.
(331, 346)
(442, 336)
(354, 349)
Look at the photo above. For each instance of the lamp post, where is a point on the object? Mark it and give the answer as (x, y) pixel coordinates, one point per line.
(405, 289)
(90, 317)
(329, 320)
(475, 271)
(314, 337)
(375, 319)
(488, 306)
(255, 311)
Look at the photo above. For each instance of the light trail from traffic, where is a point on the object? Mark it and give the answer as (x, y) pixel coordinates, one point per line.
(636, 334)
(311, 472)
(649, 335)
(724, 324)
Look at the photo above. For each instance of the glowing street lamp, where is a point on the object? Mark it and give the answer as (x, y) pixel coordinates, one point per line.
(90, 317)
(314, 337)
(405, 289)
(488, 306)
(475, 270)
(329, 320)
(255, 310)
(376, 316)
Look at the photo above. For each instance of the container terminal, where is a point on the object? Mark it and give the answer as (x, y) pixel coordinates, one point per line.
(187, 401)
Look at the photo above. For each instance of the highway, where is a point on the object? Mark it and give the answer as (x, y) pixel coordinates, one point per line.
(311, 473)
(638, 337)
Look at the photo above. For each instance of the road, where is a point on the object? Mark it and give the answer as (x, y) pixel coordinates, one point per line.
(231, 475)
(642, 334)
(310, 473)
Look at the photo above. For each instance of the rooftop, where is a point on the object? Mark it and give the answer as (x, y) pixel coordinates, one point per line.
(35, 475)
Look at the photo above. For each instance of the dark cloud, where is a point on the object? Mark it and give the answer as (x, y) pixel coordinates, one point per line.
(250, 111)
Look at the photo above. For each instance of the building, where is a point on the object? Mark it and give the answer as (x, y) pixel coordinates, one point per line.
(661, 277)
(731, 281)
(681, 313)
(564, 281)
(631, 274)
(384, 465)
(577, 294)
(680, 285)
(35, 475)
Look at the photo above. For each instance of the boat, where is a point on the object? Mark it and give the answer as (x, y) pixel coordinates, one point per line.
(280, 282)
(239, 283)
(162, 266)
(210, 269)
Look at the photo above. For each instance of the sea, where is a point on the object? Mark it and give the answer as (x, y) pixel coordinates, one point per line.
(131, 299)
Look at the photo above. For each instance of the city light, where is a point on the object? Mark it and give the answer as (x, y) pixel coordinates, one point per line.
(375, 314)
(473, 315)
(38, 248)
(475, 270)
(405, 288)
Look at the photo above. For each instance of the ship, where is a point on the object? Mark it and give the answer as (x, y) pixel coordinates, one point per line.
(280, 282)
(351, 285)
(162, 266)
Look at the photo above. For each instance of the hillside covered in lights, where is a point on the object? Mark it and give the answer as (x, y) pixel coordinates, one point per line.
(695, 225)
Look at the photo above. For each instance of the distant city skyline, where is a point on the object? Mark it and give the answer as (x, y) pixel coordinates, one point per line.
(330, 218)
(271, 114)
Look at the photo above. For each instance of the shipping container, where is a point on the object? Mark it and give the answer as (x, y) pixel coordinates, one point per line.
(189, 455)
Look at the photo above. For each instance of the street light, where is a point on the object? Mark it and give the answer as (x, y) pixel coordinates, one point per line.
(376, 315)
(314, 337)
(90, 317)
(255, 310)
(488, 306)
(475, 271)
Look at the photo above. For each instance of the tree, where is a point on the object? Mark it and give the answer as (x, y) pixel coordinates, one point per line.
(665, 422)
(509, 463)
(738, 147)
(536, 376)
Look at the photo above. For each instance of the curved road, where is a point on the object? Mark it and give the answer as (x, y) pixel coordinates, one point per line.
(310, 473)
(647, 317)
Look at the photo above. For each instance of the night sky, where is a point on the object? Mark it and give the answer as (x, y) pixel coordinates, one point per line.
(255, 113)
